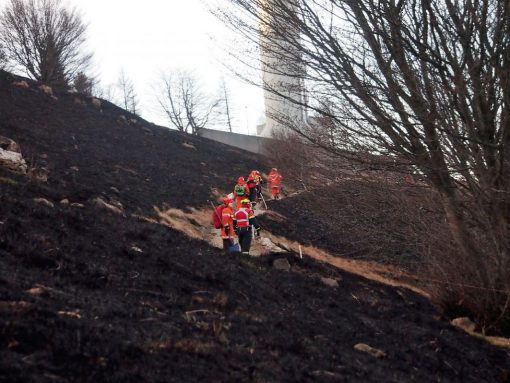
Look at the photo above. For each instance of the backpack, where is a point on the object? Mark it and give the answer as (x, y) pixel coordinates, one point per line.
(239, 190)
(216, 217)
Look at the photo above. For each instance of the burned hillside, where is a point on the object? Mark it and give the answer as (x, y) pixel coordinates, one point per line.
(94, 289)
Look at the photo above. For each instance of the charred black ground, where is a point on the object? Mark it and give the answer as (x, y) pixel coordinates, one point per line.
(92, 296)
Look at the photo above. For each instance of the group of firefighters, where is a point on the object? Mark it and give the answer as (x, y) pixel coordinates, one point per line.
(236, 215)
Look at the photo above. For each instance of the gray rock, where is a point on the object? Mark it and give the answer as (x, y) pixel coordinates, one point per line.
(96, 103)
(102, 204)
(331, 282)
(44, 201)
(376, 353)
(464, 323)
(46, 89)
(9, 145)
(281, 264)
(10, 156)
(21, 84)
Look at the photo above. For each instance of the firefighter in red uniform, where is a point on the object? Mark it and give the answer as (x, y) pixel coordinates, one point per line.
(252, 190)
(227, 222)
(254, 183)
(244, 220)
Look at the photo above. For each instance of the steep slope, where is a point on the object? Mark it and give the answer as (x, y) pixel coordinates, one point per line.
(90, 294)
(87, 151)
(367, 219)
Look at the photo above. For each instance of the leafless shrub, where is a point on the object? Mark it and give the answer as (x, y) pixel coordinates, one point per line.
(296, 160)
(454, 282)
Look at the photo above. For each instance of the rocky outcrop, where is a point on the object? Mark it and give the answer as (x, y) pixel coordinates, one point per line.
(10, 156)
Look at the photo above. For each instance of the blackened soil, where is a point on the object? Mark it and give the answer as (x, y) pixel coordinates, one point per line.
(87, 295)
(393, 223)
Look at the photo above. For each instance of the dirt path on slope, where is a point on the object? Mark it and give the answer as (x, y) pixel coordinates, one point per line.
(196, 223)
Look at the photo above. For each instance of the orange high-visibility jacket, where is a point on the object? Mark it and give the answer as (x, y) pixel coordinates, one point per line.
(227, 218)
(274, 179)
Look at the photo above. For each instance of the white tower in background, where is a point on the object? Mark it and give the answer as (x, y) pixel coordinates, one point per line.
(281, 77)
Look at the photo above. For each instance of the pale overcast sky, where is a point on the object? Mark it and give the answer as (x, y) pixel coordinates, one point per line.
(147, 37)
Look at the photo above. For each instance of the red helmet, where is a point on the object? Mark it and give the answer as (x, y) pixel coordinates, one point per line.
(227, 200)
(240, 180)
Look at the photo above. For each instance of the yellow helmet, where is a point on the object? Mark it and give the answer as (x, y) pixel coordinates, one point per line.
(245, 201)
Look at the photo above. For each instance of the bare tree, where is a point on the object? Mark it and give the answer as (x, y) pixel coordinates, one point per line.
(108, 92)
(184, 102)
(128, 94)
(45, 39)
(226, 102)
(423, 81)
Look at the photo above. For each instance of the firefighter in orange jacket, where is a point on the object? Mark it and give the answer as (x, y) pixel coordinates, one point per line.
(241, 191)
(274, 178)
(227, 222)
(244, 220)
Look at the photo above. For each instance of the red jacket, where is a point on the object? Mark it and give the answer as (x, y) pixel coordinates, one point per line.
(244, 217)
(251, 182)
